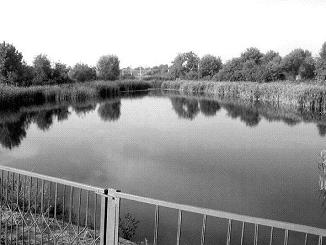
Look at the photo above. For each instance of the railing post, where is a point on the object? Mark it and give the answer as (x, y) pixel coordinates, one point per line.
(103, 224)
(113, 212)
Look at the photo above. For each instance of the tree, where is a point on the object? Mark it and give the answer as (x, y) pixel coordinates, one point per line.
(11, 64)
(60, 73)
(298, 62)
(272, 67)
(82, 72)
(183, 64)
(108, 67)
(252, 54)
(320, 70)
(209, 65)
(231, 71)
(42, 69)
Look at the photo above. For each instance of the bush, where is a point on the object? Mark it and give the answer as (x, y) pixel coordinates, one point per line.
(82, 72)
(108, 68)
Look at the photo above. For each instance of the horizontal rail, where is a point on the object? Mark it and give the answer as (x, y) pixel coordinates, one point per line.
(176, 206)
(55, 180)
(226, 215)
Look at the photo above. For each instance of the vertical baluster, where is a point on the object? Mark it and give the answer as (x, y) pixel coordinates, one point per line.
(24, 208)
(156, 224)
(228, 237)
(42, 209)
(256, 234)
(179, 227)
(30, 208)
(12, 206)
(7, 204)
(64, 205)
(271, 236)
(286, 237)
(320, 240)
(86, 211)
(17, 207)
(95, 209)
(35, 211)
(55, 200)
(78, 217)
(203, 230)
(305, 239)
(242, 232)
(70, 205)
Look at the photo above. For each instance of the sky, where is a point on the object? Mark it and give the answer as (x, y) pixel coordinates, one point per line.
(153, 32)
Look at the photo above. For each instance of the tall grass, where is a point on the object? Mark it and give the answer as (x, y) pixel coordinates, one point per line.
(307, 95)
(12, 97)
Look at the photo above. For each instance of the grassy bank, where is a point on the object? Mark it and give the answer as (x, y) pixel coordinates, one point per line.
(306, 95)
(11, 96)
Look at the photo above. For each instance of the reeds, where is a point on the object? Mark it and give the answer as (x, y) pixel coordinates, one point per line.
(12, 97)
(306, 95)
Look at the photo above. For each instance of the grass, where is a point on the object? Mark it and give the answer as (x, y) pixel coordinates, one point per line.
(307, 95)
(11, 96)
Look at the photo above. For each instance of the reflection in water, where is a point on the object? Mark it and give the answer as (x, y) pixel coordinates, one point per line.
(12, 133)
(321, 129)
(13, 124)
(185, 108)
(82, 109)
(109, 111)
(209, 107)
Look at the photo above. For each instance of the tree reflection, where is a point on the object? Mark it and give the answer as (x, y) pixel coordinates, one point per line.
(250, 117)
(209, 107)
(83, 109)
(12, 133)
(109, 111)
(185, 108)
(321, 129)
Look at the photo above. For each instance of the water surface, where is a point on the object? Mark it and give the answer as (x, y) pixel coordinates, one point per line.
(231, 157)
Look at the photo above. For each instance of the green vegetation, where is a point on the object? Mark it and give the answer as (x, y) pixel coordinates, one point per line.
(108, 68)
(305, 95)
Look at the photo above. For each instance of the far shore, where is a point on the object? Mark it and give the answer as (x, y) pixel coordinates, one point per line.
(306, 95)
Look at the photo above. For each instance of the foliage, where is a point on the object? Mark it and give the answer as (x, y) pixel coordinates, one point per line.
(298, 62)
(183, 64)
(82, 73)
(209, 65)
(11, 64)
(42, 69)
(231, 71)
(108, 67)
(320, 71)
(128, 226)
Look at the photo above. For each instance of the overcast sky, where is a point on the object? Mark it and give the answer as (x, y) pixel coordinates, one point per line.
(152, 32)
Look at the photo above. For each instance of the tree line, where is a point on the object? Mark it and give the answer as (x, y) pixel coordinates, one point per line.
(14, 70)
(251, 65)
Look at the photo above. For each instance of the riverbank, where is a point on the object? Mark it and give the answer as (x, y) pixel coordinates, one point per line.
(11, 96)
(305, 95)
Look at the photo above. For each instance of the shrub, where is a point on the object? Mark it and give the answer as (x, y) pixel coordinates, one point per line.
(108, 67)
(82, 72)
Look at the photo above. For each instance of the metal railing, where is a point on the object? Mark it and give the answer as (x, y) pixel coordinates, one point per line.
(37, 209)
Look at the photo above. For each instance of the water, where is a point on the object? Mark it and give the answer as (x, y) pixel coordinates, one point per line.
(239, 158)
